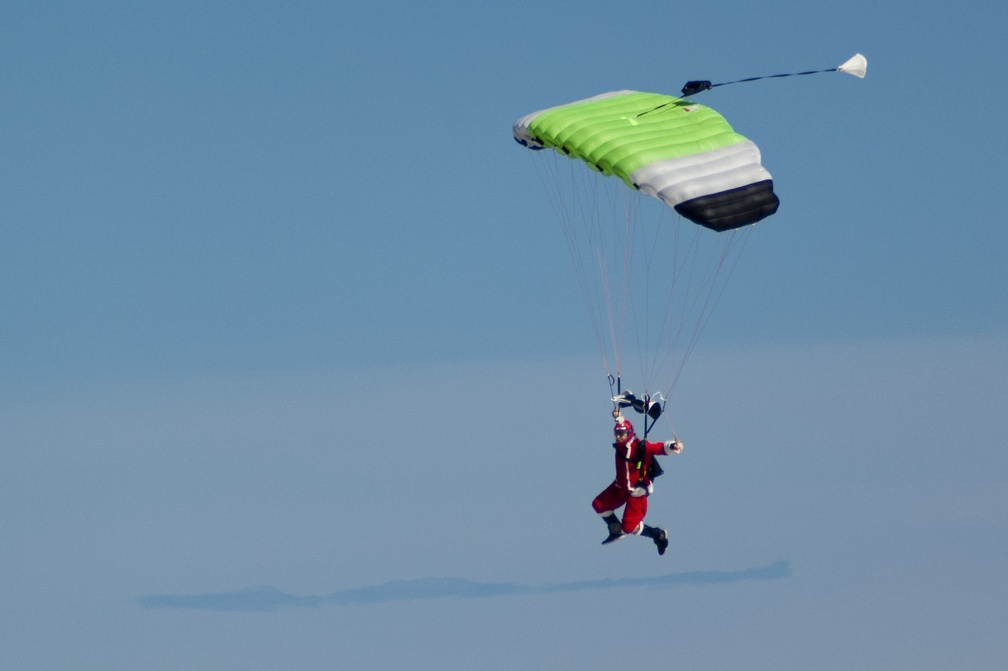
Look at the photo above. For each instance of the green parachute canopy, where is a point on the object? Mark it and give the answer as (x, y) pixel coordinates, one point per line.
(678, 151)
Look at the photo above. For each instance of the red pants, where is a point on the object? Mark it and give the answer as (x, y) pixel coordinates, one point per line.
(612, 497)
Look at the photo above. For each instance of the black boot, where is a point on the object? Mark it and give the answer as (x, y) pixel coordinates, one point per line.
(658, 535)
(615, 529)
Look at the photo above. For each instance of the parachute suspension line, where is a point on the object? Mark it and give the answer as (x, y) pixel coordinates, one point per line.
(625, 220)
(646, 349)
(580, 207)
(565, 198)
(671, 293)
(733, 246)
(606, 290)
(690, 311)
(595, 296)
(657, 361)
(609, 249)
(667, 330)
(597, 292)
(611, 264)
(675, 329)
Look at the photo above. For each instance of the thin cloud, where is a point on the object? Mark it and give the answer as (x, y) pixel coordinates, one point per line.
(270, 598)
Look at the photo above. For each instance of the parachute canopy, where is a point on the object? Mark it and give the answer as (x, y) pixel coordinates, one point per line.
(678, 151)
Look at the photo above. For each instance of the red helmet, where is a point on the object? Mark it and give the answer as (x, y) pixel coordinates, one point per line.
(623, 426)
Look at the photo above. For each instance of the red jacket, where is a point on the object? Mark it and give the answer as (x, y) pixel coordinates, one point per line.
(632, 465)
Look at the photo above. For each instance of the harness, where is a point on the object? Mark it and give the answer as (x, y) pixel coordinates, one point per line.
(654, 469)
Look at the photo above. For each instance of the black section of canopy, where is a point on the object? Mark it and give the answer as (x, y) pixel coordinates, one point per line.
(733, 208)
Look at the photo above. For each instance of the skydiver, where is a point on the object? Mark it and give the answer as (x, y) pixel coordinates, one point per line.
(632, 486)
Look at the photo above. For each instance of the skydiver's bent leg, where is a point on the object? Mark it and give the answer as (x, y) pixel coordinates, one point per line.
(605, 505)
(608, 500)
(633, 515)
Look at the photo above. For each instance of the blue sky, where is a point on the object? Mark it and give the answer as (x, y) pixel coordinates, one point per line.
(285, 315)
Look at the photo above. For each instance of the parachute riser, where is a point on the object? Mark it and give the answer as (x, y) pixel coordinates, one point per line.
(647, 416)
(652, 407)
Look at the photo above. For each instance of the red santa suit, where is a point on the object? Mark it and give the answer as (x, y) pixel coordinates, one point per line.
(632, 485)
